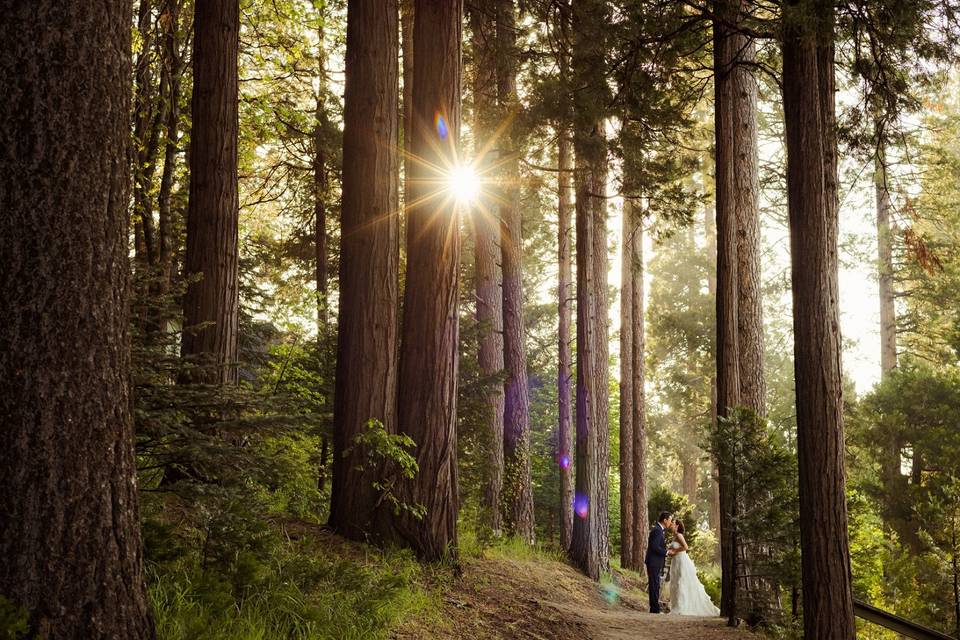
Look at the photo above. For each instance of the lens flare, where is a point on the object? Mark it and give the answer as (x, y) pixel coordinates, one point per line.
(609, 590)
(441, 125)
(565, 461)
(581, 506)
(464, 183)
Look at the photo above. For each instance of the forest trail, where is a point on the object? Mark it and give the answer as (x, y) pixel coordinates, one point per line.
(540, 599)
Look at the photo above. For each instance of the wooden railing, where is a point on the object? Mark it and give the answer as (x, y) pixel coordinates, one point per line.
(896, 623)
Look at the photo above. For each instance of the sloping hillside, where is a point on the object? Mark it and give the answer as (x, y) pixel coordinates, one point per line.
(542, 598)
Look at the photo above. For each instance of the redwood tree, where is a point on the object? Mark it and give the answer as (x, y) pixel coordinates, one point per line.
(518, 493)
(69, 533)
(428, 352)
(809, 114)
(725, 42)
(211, 303)
(366, 376)
(487, 253)
(565, 295)
(627, 533)
(589, 546)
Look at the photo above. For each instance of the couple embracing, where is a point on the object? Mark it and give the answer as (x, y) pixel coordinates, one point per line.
(687, 595)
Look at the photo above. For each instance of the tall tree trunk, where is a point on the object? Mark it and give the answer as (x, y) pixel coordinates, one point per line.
(487, 254)
(321, 276)
(406, 29)
(709, 230)
(170, 87)
(517, 490)
(728, 351)
(366, 376)
(428, 354)
(888, 314)
(565, 290)
(69, 535)
(638, 345)
(808, 97)
(745, 202)
(146, 134)
(627, 533)
(589, 547)
(211, 303)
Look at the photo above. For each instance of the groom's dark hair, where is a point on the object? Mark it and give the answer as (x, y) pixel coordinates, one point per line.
(664, 515)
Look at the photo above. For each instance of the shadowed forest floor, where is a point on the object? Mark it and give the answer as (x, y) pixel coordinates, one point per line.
(545, 599)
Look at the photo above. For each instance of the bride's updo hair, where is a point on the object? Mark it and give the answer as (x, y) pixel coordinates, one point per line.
(679, 526)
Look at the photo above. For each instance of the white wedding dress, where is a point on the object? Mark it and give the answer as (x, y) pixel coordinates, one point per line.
(687, 595)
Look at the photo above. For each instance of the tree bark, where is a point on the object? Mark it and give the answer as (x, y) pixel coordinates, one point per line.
(690, 479)
(320, 259)
(888, 314)
(809, 113)
(428, 354)
(146, 134)
(211, 303)
(406, 29)
(728, 350)
(627, 533)
(517, 490)
(565, 290)
(170, 87)
(487, 254)
(638, 346)
(366, 376)
(589, 547)
(745, 201)
(69, 534)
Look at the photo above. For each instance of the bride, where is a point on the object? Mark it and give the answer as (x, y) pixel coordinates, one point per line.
(687, 595)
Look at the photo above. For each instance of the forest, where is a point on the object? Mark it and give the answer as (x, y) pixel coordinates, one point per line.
(343, 319)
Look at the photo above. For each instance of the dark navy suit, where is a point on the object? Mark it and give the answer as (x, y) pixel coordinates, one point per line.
(655, 559)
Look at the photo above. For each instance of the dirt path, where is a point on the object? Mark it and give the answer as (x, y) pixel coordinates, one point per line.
(549, 600)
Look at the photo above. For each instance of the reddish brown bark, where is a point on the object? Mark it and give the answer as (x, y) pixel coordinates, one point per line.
(211, 303)
(638, 395)
(627, 533)
(428, 353)
(517, 490)
(69, 530)
(366, 376)
(589, 548)
(728, 351)
(565, 294)
(809, 113)
(487, 254)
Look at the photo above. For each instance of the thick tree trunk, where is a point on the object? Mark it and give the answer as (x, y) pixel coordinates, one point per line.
(366, 376)
(565, 293)
(745, 202)
(808, 97)
(638, 346)
(627, 533)
(69, 533)
(211, 303)
(589, 548)
(517, 490)
(728, 350)
(888, 314)
(428, 354)
(487, 255)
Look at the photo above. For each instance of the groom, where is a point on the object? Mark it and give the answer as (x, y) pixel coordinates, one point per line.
(656, 557)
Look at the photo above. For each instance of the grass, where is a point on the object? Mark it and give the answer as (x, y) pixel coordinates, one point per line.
(308, 594)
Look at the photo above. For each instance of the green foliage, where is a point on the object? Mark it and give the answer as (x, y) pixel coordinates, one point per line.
(13, 620)
(294, 592)
(662, 499)
(390, 453)
(763, 477)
